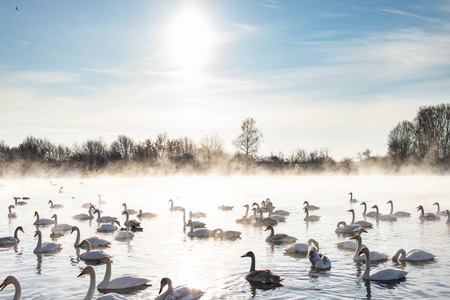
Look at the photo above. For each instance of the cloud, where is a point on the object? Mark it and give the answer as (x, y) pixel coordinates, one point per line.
(245, 27)
(39, 78)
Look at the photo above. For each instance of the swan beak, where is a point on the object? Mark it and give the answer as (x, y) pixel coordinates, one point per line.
(73, 229)
(353, 237)
(21, 229)
(4, 284)
(82, 273)
(36, 233)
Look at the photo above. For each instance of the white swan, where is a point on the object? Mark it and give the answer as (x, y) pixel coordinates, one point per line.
(397, 213)
(94, 241)
(351, 198)
(381, 217)
(54, 205)
(61, 189)
(310, 206)
(179, 293)
(88, 216)
(380, 274)
(60, 228)
(197, 214)
(362, 223)
(227, 234)
(225, 207)
(14, 281)
(318, 260)
(264, 277)
(109, 227)
(119, 283)
(245, 219)
(279, 212)
(104, 219)
(261, 221)
(146, 215)
(91, 255)
(174, 208)
(11, 214)
(126, 234)
(100, 201)
(439, 212)
(197, 224)
(343, 228)
(370, 214)
(412, 255)
(279, 238)
(91, 291)
(374, 256)
(127, 220)
(300, 248)
(17, 202)
(310, 217)
(129, 210)
(8, 241)
(42, 221)
(200, 233)
(45, 247)
(278, 218)
(426, 216)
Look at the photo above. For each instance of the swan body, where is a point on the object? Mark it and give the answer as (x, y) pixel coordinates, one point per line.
(426, 216)
(348, 245)
(104, 219)
(178, 293)
(264, 277)
(14, 281)
(261, 221)
(94, 241)
(11, 214)
(310, 217)
(45, 247)
(245, 219)
(362, 223)
(374, 256)
(225, 207)
(227, 234)
(343, 228)
(439, 212)
(309, 206)
(91, 291)
(60, 228)
(127, 234)
(86, 205)
(412, 255)
(174, 208)
(108, 227)
(9, 241)
(353, 200)
(277, 217)
(197, 214)
(54, 205)
(370, 214)
(146, 215)
(88, 216)
(129, 210)
(398, 213)
(318, 260)
(17, 202)
(300, 247)
(196, 224)
(119, 283)
(380, 274)
(279, 238)
(90, 254)
(200, 233)
(42, 221)
(381, 217)
(279, 212)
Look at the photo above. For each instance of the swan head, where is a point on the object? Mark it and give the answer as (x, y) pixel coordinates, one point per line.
(37, 232)
(54, 216)
(246, 205)
(420, 207)
(85, 243)
(73, 229)
(165, 281)
(20, 228)
(375, 206)
(306, 202)
(359, 230)
(50, 201)
(36, 213)
(364, 250)
(105, 259)
(448, 212)
(248, 254)
(8, 280)
(435, 203)
(390, 201)
(255, 204)
(87, 270)
(270, 227)
(170, 200)
(351, 210)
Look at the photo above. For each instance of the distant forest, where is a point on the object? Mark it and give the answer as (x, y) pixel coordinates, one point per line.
(422, 144)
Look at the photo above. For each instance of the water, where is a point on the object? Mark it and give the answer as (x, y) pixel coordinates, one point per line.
(215, 266)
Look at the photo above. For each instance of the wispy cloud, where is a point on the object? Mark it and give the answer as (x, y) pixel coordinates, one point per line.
(39, 78)
(245, 27)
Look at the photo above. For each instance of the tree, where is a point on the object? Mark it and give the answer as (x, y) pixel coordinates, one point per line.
(402, 141)
(124, 146)
(211, 149)
(250, 138)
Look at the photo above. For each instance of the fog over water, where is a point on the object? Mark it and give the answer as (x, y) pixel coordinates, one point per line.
(162, 249)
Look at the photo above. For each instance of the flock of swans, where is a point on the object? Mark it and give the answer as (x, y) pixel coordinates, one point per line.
(115, 287)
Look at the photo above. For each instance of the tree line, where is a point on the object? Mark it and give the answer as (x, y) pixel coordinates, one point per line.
(425, 141)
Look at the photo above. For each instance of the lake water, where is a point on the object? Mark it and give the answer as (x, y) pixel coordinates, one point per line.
(215, 266)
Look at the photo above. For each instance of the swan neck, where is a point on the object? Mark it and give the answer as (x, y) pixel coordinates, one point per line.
(353, 216)
(252, 266)
(366, 274)
(18, 292)
(16, 234)
(358, 244)
(365, 208)
(77, 240)
(39, 243)
(307, 212)
(107, 277)
(246, 212)
(91, 290)
(392, 208)
(438, 207)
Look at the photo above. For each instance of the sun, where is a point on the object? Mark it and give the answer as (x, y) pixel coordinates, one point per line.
(190, 40)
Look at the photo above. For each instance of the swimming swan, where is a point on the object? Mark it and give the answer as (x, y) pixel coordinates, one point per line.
(146, 215)
(439, 212)
(426, 216)
(343, 228)
(179, 293)
(126, 234)
(197, 224)
(54, 205)
(245, 219)
(381, 217)
(11, 214)
(300, 247)
(265, 277)
(412, 255)
(310, 217)
(174, 208)
(370, 214)
(92, 255)
(351, 198)
(104, 219)
(45, 247)
(14, 281)
(374, 256)
(8, 241)
(60, 228)
(200, 233)
(197, 214)
(108, 227)
(380, 274)
(309, 206)
(93, 241)
(362, 223)
(91, 291)
(42, 221)
(119, 283)
(398, 213)
(129, 210)
(279, 238)
(88, 216)
(227, 234)
(318, 260)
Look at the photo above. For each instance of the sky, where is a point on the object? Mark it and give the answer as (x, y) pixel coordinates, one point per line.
(324, 74)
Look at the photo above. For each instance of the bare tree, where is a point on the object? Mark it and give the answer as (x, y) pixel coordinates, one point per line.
(250, 138)
(124, 146)
(211, 148)
(402, 141)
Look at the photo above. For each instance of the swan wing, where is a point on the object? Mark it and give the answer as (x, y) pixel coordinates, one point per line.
(297, 248)
(419, 255)
(185, 293)
(387, 274)
(124, 282)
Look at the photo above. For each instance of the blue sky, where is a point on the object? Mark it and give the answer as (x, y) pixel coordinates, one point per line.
(313, 74)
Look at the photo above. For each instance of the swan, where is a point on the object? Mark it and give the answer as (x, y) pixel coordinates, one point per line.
(264, 208)
(310, 217)
(11, 214)
(60, 228)
(174, 208)
(261, 221)
(225, 207)
(374, 256)
(179, 293)
(279, 212)
(104, 219)
(426, 216)
(88, 216)
(14, 281)
(86, 205)
(91, 291)
(61, 189)
(91, 255)
(8, 241)
(300, 247)
(278, 218)
(108, 227)
(197, 214)
(381, 217)
(412, 255)
(127, 220)
(227, 234)
(398, 213)
(448, 217)
(201, 232)
(343, 228)
(94, 241)
(380, 274)
(126, 234)
(129, 210)
(42, 221)
(439, 212)
(260, 276)
(362, 223)
(17, 202)
(119, 283)
(351, 198)
(197, 224)
(45, 247)
(147, 215)
(318, 260)
(310, 207)
(370, 214)
(54, 205)
(100, 201)
(245, 219)
(279, 238)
